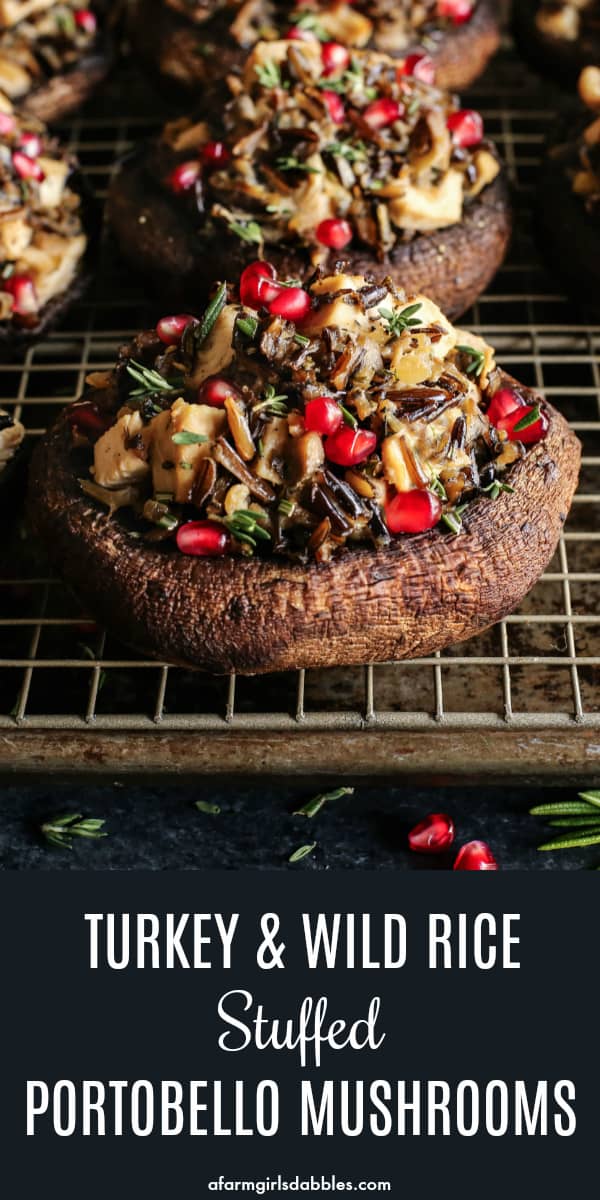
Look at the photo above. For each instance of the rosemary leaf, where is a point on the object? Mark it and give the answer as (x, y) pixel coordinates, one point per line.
(312, 807)
(247, 325)
(349, 417)
(562, 808)
(186, 438)
(592, 798)
(202, 330)
(530, 418)
(247, 231)
(302, 852)
(576, 822)
(476, 357)
(205, 806)
(150, 381)
(572, 843)
(61, 830)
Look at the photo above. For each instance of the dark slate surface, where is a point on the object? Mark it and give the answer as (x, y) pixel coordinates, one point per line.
(158, 828)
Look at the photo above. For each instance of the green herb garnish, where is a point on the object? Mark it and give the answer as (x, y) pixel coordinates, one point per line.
(202, 330)
(268, 74)
(476, 357)
(61, 830)
(149, 380)
(397, 322)
(206, 807)
(310, 21)
(244, 526)
(351, 151)
(186, 438)
(301, 340)
(302, 852)
(312, 807)
(579, 818)
(349, 417)
(437, 487)
(247, 325)
(453, 518)
(289, 162)
(530, 418)
(286, 507)
(494, 489)
(272, 404)
(247, 231)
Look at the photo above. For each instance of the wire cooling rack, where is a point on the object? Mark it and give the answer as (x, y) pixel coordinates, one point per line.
(521, 699)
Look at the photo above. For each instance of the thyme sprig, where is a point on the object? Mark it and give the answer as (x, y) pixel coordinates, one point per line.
(396, 322)
(476, 360)
(580, 820)
(272, 405)
(314, 806)
(61, 830)
(149, 380)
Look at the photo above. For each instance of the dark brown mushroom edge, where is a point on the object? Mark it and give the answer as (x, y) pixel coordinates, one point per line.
(568, 201)
(254, 491)
(12, 435)
(301, 165)
(52, 56)
(559, 39)
(192, 45)
(47, 229)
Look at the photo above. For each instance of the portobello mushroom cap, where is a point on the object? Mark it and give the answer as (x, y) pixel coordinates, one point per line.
(421, 594)
(56, 92)
(560, 58)
(190, 57)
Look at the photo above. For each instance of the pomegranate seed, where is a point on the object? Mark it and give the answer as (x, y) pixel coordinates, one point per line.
(292, 303)
(466, 127)
(30, 144)
(459, 11)
(215, 390)
(296, 34)
(475, 856)
(258, 284)
(323, 415)
(86, 20)
(349, 447)
(382, 112)
(419, 66)
(334, 105)
(22, 290)
(505, 401)
(533, 432)
(26, 167)
(88, 419)
(214, 154)
(335, 58)
(433, 835)
(334, 233)
(183, 177)
(170, 329)
(413, 512)
(8, 124)
(203, 539)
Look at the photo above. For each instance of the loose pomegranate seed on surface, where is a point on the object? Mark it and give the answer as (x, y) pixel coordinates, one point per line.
(475, 856)
(413, 512)
(323, 415)
(8, 123)
(88, 419)
(184, 176)
(433, 835)
(534, 431)
(335, 106)
(26, 167)
(348, 447)
(335, 58)
(334, 233)
(170, 329)
(292, 303)
(214, 154)
(215, 390)
(258, 284)
(382, 112)
(466, 127)
(203, 539)
(418, 66)
(86, 20)
(30, 144)
(22, 290)
(458, 11)
(505, 401)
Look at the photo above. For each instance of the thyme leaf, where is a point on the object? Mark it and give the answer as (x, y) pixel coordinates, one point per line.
(397, 322)
(247, 231)
(61, 830)
(314, 806)
(185, 437)
(271, 404)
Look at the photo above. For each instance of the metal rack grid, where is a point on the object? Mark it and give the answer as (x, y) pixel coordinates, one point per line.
(534, 674)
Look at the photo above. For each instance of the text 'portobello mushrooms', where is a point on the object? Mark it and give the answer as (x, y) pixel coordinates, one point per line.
(303, 478)
(368, 158)
(52, 56)
(558, 38)
(193, 44)
(568, 200)
(47, 224)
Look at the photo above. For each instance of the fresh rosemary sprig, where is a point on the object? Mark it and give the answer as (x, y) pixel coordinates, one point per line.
(245, 527)
(272, 404)
(314, 806)
(149, 380)
(61, 830)
(217, 303)
(579, 818)
(247, 231)
(289, 162)
(185, 437)
(268, 74)
(530, 418)
(397, 322)
(476, 360)
(302, 852)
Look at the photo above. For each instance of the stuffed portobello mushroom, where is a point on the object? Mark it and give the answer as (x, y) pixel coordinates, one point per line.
(302, 164)
(195, 43)
(52, 56)
(46, 229)
(568, 200)
(558, 38)
(303, 477)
